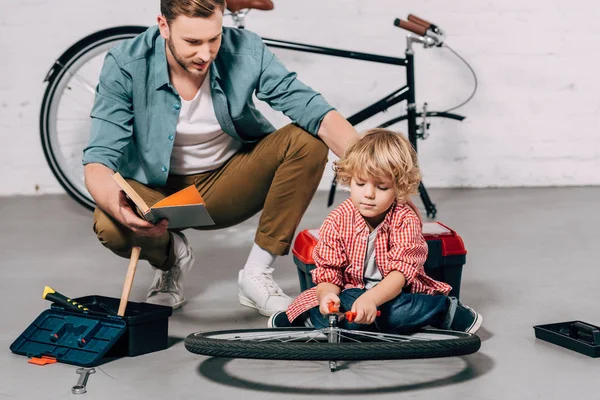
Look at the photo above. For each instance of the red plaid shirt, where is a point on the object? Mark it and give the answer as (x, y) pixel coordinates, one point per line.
(340, 253)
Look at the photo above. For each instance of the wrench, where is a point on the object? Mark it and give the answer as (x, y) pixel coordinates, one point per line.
(84, 373)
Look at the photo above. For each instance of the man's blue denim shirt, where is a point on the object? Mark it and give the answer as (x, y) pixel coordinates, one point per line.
(136, 108)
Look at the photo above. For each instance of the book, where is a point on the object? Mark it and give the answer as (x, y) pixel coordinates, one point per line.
(184, 209)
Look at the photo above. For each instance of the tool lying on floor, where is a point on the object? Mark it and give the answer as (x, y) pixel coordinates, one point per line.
(84, 374)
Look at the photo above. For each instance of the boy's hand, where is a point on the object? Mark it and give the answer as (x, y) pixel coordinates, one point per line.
(365, 309)
(326, 300)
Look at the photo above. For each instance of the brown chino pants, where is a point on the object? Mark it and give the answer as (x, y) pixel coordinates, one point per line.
(279, 175)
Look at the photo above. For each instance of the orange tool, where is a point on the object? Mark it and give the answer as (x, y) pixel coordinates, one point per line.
(349, 315)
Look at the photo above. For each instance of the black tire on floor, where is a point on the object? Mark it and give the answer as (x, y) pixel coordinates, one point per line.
(205, 343)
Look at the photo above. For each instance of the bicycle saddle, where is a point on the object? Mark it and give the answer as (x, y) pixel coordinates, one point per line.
(237, 5)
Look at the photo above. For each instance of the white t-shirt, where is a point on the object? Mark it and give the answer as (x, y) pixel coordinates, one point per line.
(200, 143)
(372, 273)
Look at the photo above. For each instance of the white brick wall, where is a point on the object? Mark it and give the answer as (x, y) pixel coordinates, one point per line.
(533, 121)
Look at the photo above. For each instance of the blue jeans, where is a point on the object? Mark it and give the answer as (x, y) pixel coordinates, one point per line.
(408, 311)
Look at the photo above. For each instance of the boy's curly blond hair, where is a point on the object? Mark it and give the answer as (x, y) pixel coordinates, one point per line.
(381, 153)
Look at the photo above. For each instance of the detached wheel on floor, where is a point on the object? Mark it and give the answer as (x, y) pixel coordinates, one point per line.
(313, 344)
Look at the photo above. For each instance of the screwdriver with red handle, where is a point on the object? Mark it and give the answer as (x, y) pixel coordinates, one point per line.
(349, 315)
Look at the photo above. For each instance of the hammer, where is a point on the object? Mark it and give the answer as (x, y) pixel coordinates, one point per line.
(135, 255)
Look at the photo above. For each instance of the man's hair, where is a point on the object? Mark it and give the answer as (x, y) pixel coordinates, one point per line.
(381, 153)
(171, 9)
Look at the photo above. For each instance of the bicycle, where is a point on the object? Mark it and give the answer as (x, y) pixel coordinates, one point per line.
(331, 343)
(69, 96)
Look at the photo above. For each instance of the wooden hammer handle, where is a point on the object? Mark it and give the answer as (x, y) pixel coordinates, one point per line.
(135, 255)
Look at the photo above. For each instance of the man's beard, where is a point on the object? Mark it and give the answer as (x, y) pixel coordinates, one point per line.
(179, 60)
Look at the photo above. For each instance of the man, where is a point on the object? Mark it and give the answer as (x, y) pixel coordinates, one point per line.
(173, 108)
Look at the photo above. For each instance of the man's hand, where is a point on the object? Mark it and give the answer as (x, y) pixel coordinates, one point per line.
(336, 132)
(365, 309)
(127, 217)
(325, 300)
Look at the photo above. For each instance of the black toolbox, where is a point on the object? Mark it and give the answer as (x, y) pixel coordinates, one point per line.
(87, 338)
(578, 336)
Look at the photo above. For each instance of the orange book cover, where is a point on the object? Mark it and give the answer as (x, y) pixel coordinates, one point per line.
(183, 209)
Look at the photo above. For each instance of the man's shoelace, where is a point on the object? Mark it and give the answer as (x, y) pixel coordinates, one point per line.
(166, 283)
(265, 279)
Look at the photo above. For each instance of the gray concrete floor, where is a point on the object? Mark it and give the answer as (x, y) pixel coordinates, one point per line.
(532, 260)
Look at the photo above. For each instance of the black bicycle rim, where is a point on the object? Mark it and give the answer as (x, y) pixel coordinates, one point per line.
(203, 343)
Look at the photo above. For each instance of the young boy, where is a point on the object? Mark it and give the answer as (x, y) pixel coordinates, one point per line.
(371, 251)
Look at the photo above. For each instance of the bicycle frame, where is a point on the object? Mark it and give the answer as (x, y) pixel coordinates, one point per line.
(406, 92)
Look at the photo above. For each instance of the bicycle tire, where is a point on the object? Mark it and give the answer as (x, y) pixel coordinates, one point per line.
(66, 67)
(202, 343)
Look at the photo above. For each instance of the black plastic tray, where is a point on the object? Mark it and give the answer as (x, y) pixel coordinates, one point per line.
(578, 336)
(147, 324)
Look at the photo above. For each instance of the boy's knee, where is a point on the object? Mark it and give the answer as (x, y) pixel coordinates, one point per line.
(318, 320)
(349, 296)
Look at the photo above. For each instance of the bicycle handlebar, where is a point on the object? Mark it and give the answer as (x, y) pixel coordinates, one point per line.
(238, 5)
(419, 21)
(429, 34)
(411, 26)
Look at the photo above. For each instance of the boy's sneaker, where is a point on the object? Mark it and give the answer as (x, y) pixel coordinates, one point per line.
(280, 320)
(466, 319)
(167, 287)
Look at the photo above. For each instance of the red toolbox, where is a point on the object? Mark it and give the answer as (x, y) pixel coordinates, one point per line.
(445, 260)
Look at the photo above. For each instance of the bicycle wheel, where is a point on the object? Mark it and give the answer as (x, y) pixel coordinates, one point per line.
(312, 344)
(65, 112)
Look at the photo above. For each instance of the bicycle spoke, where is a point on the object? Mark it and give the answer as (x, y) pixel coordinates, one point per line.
(349, 338)
(80, 79)
(310, 339)
(385, 337)
(282, 337)
(74, 130)
(359, 333)
(84, 107)
(320, 336)
(85, 119)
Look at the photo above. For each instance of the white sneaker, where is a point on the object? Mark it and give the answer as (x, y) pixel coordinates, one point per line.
(167, 287)
(259, 291)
